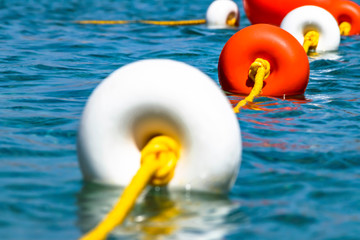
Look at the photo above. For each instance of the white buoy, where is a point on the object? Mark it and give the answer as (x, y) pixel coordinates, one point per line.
(222, 14)
(160, 97)
(312, 18)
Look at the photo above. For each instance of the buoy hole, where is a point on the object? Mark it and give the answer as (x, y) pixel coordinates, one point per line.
(344, 18)
(152, 124)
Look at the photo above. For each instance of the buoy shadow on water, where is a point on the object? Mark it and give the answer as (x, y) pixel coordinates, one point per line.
(160, 213)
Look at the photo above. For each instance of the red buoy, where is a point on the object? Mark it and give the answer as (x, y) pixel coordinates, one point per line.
(347, 11)
(272, 12)
(289, 65)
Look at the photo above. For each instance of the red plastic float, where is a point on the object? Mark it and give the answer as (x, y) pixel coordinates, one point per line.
(289, 65)
(272, 12)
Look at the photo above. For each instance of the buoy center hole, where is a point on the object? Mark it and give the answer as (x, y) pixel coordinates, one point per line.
(344, 18)
(153, 124)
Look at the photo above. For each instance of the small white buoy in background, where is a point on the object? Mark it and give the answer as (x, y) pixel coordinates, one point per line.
(222, 14)
(160, 97)
(312, 18)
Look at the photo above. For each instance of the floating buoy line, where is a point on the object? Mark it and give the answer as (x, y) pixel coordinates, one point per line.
(152, 22)
(220, 14)
(345, 12)
(136, 137)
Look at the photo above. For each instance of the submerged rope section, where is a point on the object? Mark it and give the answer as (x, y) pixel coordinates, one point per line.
(311, 40)
(158, 161)
(258, 72)
(345, 28)
(164, 23)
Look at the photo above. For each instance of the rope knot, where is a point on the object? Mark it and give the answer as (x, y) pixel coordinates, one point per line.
(165, 152)
(262, 64)
(311, 40)
(345, 28)
(259, 70)
(232, 20)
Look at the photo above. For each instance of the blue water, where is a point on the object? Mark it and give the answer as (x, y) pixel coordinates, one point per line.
(300, 175)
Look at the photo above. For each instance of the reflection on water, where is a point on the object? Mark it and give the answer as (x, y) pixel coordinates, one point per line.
(324, 56)
(160, 213)
(269, 104)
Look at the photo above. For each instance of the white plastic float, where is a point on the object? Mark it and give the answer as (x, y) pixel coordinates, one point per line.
(160, 97)
(311, 18)
(222, 12)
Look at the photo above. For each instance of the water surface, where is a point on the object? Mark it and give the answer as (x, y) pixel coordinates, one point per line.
(300, 175)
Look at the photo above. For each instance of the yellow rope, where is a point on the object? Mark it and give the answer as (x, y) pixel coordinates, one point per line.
(311, 40)
(158, 162)
(174, 23)
(232, 20)
(165, 23)
(104, 22)
(345, 28)
(258, 72)
(157, 228)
